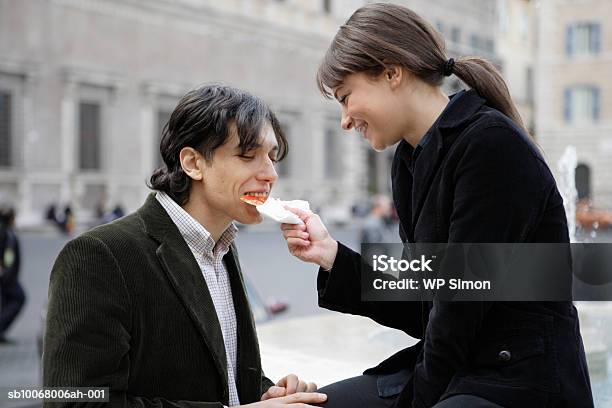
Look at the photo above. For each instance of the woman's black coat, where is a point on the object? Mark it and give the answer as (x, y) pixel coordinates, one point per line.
(479, 178)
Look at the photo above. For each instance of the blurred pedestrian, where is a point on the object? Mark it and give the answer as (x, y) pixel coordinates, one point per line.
(68, 222)
(51, 214)
(12, 296)
(113, 215)
(378, 225)
(65, 223)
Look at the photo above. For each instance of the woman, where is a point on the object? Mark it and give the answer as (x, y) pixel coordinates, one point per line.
(466, 171)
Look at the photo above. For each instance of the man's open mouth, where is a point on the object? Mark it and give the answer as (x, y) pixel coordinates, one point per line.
(255, 198)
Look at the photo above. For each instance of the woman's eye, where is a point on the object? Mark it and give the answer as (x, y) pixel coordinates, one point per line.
(246, 157)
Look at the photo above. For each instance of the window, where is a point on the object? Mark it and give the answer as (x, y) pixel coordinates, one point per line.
(440, 27)
(6, 145)
(327, 6)
(503, 17)
(529, 83)
(163, 115)
(475, 41)
(582, 177)
(523, 24)
(489, 46)
(333, 153)
(582, 39)
(581, 104)
(456, 34)
(89, 136)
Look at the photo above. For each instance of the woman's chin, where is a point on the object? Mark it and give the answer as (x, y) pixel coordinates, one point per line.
(377, 146)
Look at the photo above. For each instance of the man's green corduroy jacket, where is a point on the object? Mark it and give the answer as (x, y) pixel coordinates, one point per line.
(129, 309)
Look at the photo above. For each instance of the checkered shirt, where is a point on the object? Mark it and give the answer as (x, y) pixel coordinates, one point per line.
(210, 259)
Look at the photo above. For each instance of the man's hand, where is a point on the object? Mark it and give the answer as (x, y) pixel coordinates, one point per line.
(288, 385)
(310, 242)
(297, 400)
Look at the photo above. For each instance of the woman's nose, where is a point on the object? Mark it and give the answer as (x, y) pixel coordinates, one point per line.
(346, 122)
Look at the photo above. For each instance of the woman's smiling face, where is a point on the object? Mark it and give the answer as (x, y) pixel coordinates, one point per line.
(367, 106)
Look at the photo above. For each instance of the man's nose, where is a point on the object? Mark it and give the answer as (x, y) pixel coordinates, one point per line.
(346, 122)
(268, 172)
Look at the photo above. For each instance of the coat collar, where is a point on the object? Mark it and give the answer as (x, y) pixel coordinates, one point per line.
(186, 277)
(465, 105)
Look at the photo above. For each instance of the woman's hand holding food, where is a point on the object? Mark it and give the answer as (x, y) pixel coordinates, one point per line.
(311, 241)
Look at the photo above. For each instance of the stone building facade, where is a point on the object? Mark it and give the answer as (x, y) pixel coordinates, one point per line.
(86, 85)
(574, 90)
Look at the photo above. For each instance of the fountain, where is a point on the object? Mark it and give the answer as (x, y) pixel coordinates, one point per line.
(592, 314)
(567, 187)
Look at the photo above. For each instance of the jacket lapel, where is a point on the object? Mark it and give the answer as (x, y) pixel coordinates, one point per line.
(410, 187)
(186, 277)
(401, 180)
(424, 170)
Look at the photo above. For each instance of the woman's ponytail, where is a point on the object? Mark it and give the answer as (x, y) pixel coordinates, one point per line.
(485, 79)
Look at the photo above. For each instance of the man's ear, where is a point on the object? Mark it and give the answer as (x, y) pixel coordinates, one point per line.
(192, 163)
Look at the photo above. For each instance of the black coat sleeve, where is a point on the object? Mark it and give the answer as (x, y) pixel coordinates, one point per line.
(87, 336)
(340, 290)
(498, 195)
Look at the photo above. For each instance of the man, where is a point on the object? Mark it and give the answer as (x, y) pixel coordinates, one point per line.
(153, 305)
(12, 296)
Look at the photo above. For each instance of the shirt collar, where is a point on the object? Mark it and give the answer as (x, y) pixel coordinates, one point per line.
(197, 237)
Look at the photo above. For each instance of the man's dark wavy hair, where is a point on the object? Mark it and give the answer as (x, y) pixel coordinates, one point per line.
(203, 119)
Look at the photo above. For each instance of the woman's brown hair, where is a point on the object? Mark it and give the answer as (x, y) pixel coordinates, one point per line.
(381, 34)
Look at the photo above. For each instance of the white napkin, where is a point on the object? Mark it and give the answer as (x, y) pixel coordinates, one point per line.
(274, 208)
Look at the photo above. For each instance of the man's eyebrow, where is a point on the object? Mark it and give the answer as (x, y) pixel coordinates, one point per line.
(253, 147)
